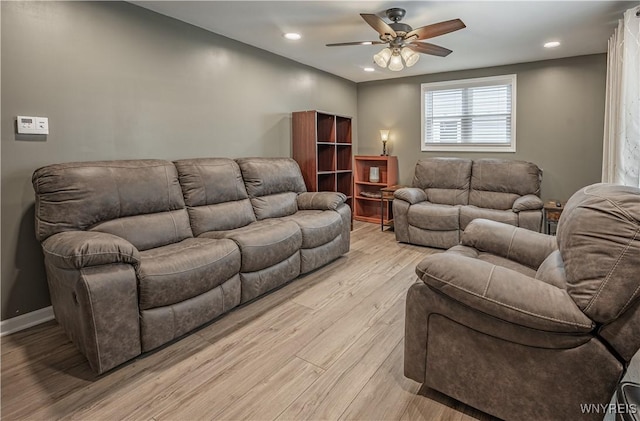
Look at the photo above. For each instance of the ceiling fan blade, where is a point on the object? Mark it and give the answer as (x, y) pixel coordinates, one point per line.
(378, 24)
(356, 43)
(436, 29)
(427, 48)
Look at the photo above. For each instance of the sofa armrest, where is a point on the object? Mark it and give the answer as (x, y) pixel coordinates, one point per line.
(323, 200)
(79, 249)
(527, 202)
(524, 246)
(504, 293)
(412, 195)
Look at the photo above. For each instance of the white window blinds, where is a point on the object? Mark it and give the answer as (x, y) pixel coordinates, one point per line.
(472, 114)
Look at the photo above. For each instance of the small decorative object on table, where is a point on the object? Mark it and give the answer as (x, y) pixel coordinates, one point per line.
(552, 211)
(374, 174)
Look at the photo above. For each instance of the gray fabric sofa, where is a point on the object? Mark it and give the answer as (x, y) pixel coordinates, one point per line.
(448, 193)
(138, 253)
(525, 326)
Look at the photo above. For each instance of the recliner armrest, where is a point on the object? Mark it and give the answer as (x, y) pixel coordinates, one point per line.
(412, 195)
(527, 202)
(524, 246)
(320, 200)
(504, 293)
(79, 249)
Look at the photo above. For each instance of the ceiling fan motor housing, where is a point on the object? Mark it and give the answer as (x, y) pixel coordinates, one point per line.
(400, 28)
(395, 14)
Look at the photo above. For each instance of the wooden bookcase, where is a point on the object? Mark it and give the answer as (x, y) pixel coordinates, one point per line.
(323, 149)
(368, 208)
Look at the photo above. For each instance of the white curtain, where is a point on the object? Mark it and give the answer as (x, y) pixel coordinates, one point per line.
(621, 154)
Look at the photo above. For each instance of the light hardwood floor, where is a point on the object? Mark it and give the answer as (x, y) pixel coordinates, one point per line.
(327, 346)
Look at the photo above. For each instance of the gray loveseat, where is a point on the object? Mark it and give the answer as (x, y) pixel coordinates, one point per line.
(138, 253)
(448, 193)
(528, 326)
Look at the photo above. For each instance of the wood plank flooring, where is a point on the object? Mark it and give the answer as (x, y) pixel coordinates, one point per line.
(327, 346)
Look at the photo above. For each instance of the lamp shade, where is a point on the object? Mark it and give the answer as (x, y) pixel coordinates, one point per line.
(395, 63)
(410, 57)
(384, 135)
(382, 58)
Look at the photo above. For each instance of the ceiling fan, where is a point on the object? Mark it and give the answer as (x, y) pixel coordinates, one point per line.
(403, 40)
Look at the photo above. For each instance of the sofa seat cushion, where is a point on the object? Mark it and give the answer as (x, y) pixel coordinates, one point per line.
(317, 227)
(162, 324)
(263, 243)
(435, 217)
(431, 238)
(469, 213)
(179, 271)
(254, 284)
(493, 259)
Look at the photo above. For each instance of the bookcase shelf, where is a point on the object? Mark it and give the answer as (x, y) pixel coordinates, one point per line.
(368, 208)
(326, 128)
(326, 157)
(343, 129)
(322, 146)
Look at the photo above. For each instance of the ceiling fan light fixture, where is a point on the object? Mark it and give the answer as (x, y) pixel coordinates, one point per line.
(410, 57)
(382, 58)
(395, 64)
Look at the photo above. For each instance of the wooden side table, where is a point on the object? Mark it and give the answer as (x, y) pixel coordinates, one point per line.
(386, 195)
(552, 214)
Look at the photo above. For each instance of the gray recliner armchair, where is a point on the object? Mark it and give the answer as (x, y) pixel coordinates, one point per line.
(523, 325)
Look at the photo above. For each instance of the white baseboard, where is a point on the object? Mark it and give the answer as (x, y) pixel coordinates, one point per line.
(25, 321)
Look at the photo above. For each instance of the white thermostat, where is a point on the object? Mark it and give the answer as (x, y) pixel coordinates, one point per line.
(33, 125)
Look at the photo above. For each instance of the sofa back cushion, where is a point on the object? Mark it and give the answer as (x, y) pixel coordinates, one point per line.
(599, 240)
(138, 200)
(497, 183)
(445, 180)
(215, 194)
(273, 185)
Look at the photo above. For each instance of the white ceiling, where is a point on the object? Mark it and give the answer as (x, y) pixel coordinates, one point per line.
(498, 32)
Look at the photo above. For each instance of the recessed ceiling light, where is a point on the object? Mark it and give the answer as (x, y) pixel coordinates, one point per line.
(369, 69)
(551, 44)
(292, 36)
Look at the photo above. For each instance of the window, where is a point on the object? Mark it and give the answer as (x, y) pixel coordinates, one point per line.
(470, 115)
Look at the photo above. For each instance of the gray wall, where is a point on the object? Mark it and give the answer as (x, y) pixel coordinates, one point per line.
(118, 81)
(560, 119)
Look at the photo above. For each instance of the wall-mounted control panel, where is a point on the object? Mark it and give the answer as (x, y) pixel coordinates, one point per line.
(33, 125)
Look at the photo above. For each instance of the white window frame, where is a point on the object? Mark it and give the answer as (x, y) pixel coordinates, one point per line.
(466, 83)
